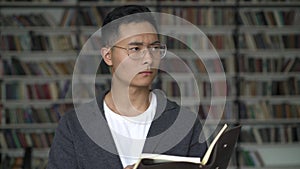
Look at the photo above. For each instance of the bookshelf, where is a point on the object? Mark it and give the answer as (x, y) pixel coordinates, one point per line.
(38, 52)
(257, 42)
(268, 84)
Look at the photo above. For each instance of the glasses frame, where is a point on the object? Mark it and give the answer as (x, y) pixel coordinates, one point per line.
(127, 49)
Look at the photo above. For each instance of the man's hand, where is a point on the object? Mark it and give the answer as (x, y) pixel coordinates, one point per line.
(129, 167)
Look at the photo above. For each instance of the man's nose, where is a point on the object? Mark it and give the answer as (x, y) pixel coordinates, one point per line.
(147, 56)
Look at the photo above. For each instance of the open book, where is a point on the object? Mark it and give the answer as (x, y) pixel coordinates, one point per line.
(151, 159)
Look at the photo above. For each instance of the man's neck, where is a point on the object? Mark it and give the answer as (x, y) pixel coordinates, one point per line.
(128, 102)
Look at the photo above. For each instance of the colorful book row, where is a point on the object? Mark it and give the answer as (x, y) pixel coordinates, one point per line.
(289, 86)
(212, 111)
(17, 162)
(18, 139)
(269, 41)
(33, 115)
(268, 64)
(271, 134)
(188, 88)
(249, 41)
(25, 20)
(199, 16)
(92, 16)
(266, 110)
(46, 90)
(38, 42)
(50, 90)
(270, 17)
(211, 41)
(15, 66)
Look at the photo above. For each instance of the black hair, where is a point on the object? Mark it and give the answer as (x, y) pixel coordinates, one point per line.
(110, 32)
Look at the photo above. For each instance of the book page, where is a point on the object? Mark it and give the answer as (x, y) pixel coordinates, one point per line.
(212, 145)
(166, 158)
(161, 158)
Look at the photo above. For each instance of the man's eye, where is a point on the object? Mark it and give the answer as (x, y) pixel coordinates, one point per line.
(135, 49)
(154, 48)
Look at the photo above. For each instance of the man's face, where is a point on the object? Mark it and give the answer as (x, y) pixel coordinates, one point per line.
(138, 71)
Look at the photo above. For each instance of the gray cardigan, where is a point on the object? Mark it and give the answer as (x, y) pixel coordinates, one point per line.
(73, 148)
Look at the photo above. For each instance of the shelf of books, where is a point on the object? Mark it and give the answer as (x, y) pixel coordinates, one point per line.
(201, 54)
(38, 51)
(210, 19)
(268, 73)
(270, 145)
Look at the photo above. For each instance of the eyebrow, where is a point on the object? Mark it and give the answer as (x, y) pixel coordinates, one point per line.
(141, 43)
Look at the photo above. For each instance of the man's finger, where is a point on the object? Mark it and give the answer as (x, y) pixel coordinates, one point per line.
(129, 167)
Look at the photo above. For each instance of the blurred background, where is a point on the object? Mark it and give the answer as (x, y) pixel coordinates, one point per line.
(258, 42)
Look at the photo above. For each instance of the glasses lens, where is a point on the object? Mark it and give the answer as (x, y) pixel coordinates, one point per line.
(156, 51)
(163, 50)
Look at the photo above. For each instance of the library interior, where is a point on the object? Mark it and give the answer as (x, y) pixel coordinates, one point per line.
(257, 42)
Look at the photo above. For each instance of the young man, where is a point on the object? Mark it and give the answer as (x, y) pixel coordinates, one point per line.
(136, 119)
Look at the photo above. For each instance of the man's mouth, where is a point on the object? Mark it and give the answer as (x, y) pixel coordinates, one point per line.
(146, 72)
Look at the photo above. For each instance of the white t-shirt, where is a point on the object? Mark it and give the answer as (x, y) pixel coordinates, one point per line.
(129, 133)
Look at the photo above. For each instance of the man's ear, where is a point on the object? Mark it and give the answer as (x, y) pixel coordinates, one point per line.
(106, 55)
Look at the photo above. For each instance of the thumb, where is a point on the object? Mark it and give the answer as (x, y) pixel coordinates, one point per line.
(129, 167)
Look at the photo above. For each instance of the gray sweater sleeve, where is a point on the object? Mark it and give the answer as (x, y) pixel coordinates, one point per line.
(62, 153)
(196, 147)
(72, 148)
